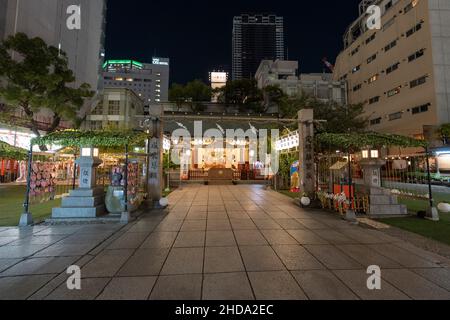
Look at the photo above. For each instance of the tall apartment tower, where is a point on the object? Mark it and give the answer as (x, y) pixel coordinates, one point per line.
(400, 72)
(48, 19)
(256, 37)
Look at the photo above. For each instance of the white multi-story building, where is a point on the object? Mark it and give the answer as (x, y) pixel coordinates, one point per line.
(285, 74)
(149, 81)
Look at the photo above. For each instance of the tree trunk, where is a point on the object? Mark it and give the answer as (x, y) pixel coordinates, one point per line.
(34, 126)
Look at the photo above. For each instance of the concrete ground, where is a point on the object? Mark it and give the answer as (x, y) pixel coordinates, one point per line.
(218, 242)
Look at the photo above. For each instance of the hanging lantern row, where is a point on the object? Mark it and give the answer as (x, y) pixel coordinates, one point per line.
(288, 142)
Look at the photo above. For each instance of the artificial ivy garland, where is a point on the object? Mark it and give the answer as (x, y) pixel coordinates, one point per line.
(10, 152)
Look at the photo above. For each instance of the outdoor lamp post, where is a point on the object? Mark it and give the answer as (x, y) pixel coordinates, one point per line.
(26, 218)
(125, 218)
(432, 212)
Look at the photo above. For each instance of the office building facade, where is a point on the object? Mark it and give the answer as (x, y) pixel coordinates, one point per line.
(401, 72)
(116, 109)
(48, 19)
(286, 76)
(256, 37)
(149, 81)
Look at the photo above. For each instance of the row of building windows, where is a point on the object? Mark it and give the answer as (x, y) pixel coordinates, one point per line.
(386, 48)
(399, 115)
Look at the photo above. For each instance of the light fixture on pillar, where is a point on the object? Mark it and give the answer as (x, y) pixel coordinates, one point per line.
(370, 154)
(89, 152)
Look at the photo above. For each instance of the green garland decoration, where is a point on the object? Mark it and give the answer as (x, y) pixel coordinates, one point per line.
(370, 139)
(10, 152)
(99, 139)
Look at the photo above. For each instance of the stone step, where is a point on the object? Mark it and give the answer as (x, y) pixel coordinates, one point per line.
(64, 213)
(388, 210)
(87, 192)
(382, 199)
(80, 202)
(380, 191)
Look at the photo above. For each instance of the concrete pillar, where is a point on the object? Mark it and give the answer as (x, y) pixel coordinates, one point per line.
(306, 149)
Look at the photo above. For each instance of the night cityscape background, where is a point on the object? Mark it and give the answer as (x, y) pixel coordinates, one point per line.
(197, 35)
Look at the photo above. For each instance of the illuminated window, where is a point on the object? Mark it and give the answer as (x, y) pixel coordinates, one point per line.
(373, 78)
(114, 108)
(418, 82)
(394, 91)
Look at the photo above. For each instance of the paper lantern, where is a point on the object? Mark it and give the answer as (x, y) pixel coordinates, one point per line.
(305, 201)
(444, 207)
(164, 202)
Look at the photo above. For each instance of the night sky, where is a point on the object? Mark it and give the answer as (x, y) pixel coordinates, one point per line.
(196, 35)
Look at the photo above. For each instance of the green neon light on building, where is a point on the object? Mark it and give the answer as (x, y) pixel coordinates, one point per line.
(132, 62)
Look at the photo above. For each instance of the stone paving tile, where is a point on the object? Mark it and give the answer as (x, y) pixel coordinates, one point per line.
(365, 236)
(37, 240)
(415, 286)
(59, 230)
(54, 283)
(334, 237)
(159, 240)
(367, 256)
(250, 238)
(243, 224)
(290, 224)
(261, 258)
(106, 264)
(36, 266)
(129, 241)
(8, 240)
(190, 239)
(439, 276)
(20, 288)
(194, 225)
(12, 252)
(402, 256)
(275, 285)
(218, 225)
(178, 287)
(19, 232)
(427, 255)
(183, 261)
(144, 262)
(278, 237)
(356, 280)
(227, 286)
(267, 224)
(306, 237)
(90, 289)
(332, 258)
(222, 259)
(323, 285)
(313, 224)
(128, 288)
(170, 225)
(295, 257)
(220, 239)
(6, 263)
(59, 250)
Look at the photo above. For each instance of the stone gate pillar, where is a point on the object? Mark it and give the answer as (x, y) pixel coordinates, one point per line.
(155, 158)
(306, 149)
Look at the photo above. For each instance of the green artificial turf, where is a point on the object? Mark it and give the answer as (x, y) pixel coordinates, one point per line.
(439, 231)
(11, 206)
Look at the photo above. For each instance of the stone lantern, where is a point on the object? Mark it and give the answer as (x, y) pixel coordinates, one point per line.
(88, 201)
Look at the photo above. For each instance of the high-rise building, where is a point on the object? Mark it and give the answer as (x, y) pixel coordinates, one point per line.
(50, 20)
(400, 72)
(256, 37)
(149, 81)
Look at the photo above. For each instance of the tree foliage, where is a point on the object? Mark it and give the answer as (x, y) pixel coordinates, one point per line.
(193, 94)
(36, 77)
(10, 152)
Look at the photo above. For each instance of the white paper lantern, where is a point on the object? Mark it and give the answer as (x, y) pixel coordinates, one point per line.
(305, 201)
(444, 207)
(164, 202)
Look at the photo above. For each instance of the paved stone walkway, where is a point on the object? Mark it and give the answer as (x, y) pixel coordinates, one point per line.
(218, 242)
